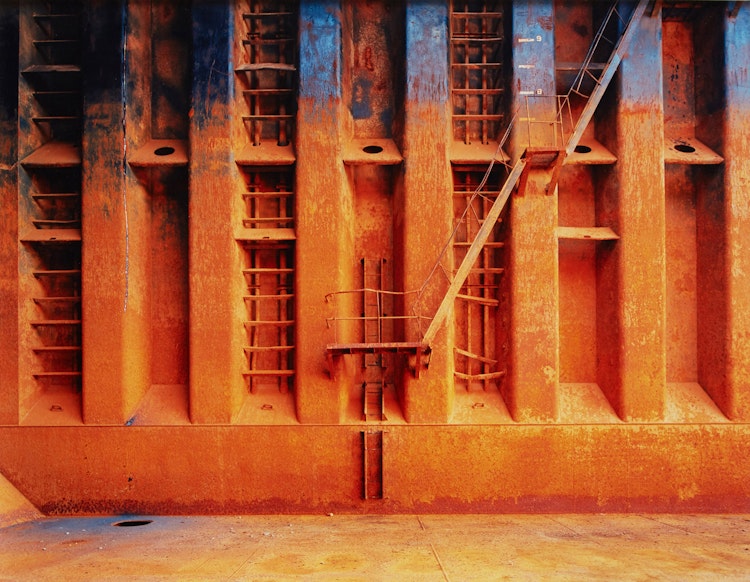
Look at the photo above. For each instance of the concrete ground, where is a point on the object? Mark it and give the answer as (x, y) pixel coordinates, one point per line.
(374, 547)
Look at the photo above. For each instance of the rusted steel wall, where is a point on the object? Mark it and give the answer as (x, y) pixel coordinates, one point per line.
(115, 312)
(627, 368)
(712, 90)
(531, 390)
(325, 211)
(301, 469)
(631, 286)
(425, 220)
(216, 387)
(9, 218)
(736, 394)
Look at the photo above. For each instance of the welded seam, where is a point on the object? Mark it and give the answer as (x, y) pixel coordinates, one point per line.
(235, 573)
(434, 553)
(672, 525)
(124, 35)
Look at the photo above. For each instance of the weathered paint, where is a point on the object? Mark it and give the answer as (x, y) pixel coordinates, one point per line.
(325, 216)
(736, 215)
(426, 209)
(217, 389)
(631, 286)
(113, 208)
(635, 329)
(712, 260)
(577, 263)
(533, 51)
(531, 389)
(212, 62)
(373, 47)
(9, 349)
(317, 469)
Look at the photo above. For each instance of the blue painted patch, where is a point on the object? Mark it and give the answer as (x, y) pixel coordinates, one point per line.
(642, 65)
(102, 82)
(361, 108)
(320, 50)
(386, 118)
(737, 41)
(212, 58)
(534, 58)
(427, 51)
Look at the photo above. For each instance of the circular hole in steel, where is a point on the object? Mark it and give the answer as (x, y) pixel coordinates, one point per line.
(164, 151)
(372, 149)
(132, 522)
(583, 149)
(684, 148)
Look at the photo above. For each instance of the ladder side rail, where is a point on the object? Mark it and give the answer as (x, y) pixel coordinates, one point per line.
(473, 252)
(607, 76)
(581, 75)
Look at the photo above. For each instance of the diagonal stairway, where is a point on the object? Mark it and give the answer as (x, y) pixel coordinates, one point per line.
(601, 82)
(532, 157)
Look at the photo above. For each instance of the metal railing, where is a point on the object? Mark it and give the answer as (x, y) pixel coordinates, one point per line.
(381, 318)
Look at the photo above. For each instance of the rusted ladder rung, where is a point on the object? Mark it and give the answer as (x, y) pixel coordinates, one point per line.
(473, 356)
(268, 297)
(269, 323)
(483, 15)
(266, 41)
(248, 349)
(43, 300)
(267, 194)
(485, 376)
(489, 301)
(255, 15)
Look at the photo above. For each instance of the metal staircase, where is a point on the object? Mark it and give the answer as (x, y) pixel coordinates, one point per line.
(589, 70)
(532, 157)
(535, 157)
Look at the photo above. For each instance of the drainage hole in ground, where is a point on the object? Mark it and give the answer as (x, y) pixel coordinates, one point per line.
(132, 522)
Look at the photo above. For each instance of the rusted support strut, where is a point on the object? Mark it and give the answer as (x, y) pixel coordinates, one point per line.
(419, 350)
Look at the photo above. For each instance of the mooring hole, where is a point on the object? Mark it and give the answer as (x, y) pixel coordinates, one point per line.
(164, 151)
(372, 149)
(583, 149)
(684, 148)
(132, 522)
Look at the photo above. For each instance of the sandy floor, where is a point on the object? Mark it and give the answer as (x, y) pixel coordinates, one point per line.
(405, 547)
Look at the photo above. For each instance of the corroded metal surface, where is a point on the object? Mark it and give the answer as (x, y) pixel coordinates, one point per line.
(186, 187)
